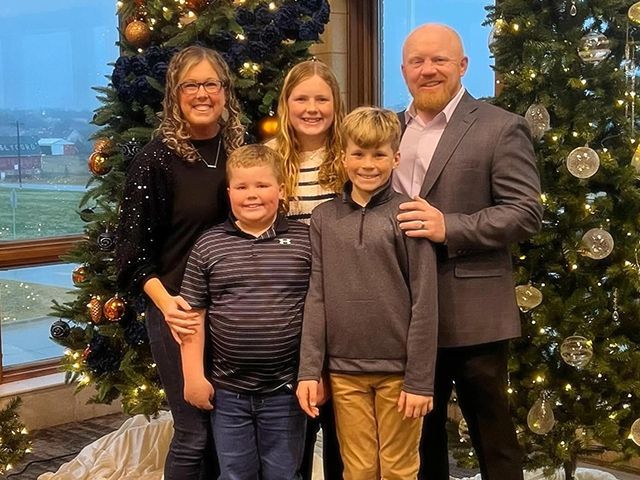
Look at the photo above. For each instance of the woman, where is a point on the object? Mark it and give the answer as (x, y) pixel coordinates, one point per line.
(311, 111)
(175, 189)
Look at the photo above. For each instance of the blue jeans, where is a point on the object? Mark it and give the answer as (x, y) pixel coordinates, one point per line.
(258, 435)
(191, 453)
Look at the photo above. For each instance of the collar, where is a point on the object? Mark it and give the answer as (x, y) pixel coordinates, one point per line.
(381, 195)
(411, 114)
(280, 225)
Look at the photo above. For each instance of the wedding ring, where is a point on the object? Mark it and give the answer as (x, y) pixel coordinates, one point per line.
(421, 225)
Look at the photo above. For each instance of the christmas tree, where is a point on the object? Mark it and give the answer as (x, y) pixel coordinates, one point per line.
(569, 67)
(103, 330)
(14, 438)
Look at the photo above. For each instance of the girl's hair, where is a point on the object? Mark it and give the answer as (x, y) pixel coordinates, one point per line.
(331, 175)
(173, 127)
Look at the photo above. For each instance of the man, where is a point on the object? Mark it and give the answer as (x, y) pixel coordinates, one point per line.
(470, 168)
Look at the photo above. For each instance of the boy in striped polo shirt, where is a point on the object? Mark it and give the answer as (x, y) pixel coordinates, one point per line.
(248, 277)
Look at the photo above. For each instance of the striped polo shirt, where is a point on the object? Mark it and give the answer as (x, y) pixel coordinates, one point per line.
(253, 289)
(309, 192)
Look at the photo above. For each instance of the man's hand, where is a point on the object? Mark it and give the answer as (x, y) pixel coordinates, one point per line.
(419, 219)
(307, 394)
(414, 406)
(199, 393)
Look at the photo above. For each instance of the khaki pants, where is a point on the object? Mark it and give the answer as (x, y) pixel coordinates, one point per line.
(375, 442)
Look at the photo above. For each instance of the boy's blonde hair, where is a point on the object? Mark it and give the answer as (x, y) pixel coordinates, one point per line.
(256, 156)
(371, 127)
(331, 175)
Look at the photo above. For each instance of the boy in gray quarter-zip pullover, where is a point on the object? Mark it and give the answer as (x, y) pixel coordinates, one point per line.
(371, 312)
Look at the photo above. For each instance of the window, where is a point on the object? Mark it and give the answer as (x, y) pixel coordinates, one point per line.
(51, 55)
(25, 301)
(399, 17)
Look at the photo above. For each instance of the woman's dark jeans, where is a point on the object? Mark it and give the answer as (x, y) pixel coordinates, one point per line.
(192, 454)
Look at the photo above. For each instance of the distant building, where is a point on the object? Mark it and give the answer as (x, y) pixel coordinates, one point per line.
(27, 163)
(57, 146)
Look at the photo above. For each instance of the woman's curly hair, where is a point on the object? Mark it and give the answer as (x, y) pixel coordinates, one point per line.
(174, 128)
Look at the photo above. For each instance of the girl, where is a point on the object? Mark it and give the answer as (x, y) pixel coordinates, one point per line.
(311, 111)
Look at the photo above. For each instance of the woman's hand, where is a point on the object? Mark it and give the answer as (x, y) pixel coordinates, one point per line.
(175, 309)
(199, 393)
(178, 315)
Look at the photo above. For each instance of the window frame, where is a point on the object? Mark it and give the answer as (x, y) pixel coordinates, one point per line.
(363, 53)
(27, 253)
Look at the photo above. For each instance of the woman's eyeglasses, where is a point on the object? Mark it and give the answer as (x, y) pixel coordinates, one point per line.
(210, 86)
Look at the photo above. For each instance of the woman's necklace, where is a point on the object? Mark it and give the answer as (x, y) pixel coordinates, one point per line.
(215, 163)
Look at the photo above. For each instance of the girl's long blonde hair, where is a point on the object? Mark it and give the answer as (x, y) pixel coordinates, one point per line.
(174, 128)
(331, 175)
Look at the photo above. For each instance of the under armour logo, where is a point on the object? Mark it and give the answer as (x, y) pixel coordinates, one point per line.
(284, 241)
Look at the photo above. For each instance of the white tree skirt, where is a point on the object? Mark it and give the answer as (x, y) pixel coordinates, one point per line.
(581, 474)
(137, 450)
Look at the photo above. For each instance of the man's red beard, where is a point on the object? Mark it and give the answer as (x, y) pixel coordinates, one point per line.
(432, 102)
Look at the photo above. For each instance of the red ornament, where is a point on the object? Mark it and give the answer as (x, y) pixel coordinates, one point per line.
(114, 308)
(95, 309)
(195, 4)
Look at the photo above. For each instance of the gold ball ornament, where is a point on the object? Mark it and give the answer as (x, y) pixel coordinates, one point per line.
(95, 309)
(114, 308)
(635, 432)
(98, 164)
(634, 15)
(597, 244)
(528, 297)
(593, 48)
(583, 162)
(138, 34)
(103, 145)
(268, 127)
(79, 274)
(576, 351)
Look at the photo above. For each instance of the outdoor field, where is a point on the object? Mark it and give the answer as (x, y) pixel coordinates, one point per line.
(38, 213)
